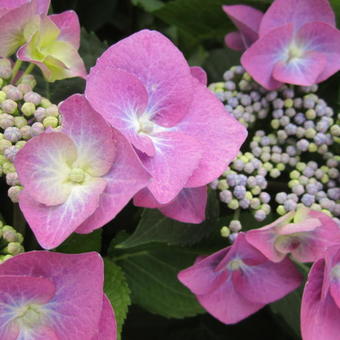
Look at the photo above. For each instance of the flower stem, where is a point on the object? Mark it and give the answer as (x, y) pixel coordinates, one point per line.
(236, 215)
(28, 70)
(16, 68)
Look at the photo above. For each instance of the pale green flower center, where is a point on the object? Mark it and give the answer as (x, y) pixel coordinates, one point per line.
(145, 125)
(235, 264)
(29, 316)
(336, 272)
(77, 175)
(294, 52)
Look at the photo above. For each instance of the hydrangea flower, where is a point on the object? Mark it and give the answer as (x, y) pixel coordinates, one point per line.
(144, 87)
(17, 19)
(237, 281)
(305, 234)
(320, 308)
(78, 177)
(46, 295)
(247, 19)
(54, 47)
(298, 44)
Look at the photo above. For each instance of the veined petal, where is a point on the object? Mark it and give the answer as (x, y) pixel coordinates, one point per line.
(43, 166)
(126, 177)
(76, 306)
(69, 26)
(107, 328)
(297, 12)
(247, 19)
(53, 224)
(219, 133)
(12, 26)
(322, 38)
(177, 156)
(161, 68)
(121, 99)
(302, 71)
(90, 133)
(260, 59)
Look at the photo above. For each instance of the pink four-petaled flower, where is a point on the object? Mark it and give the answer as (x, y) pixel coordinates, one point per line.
(46, 295)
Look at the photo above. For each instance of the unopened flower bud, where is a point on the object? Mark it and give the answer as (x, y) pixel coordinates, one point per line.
(13, 193)
(50, 121)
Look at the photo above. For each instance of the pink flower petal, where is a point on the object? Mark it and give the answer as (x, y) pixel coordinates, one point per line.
(302, 71)
(322, 38)
(43, 166)
(226, 305)
(125, 179)
(43, 6)
(107, 329)
(218, 132)
(12, 25)
(202, 277)
(234, 41)
(188, 206)
(77, 302)
(159, 65)
(53, 224)
(319, 315)
(260, 59)
(247, 19)
(92, 136)
(268, 281)
(297, 12)
(177, 156)
(121, 99)
(199, 73)
(68, 23)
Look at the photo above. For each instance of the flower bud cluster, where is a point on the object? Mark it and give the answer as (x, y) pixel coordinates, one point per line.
(10, 242)
(297, 126)
(23, 115)
(242, 186)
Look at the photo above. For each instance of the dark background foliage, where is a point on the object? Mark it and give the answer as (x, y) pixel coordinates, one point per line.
(141, 263)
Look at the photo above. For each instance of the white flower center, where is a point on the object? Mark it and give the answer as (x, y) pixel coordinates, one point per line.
(294, 52)
(146, 126)
(30, 316)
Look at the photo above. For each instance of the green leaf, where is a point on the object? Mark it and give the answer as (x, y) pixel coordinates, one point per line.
(155, 227)
(151, 273)
(117, 290)
(149, 5)
(80, 243)
(201, 18)
(288, 309)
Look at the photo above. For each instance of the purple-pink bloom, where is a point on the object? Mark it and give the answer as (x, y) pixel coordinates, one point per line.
(76, 178)
(320, 309)
(237, 281)
(247, 19)
(298, 44)
(145, 88)
(17, 22)
(47, 295)
(304, 234)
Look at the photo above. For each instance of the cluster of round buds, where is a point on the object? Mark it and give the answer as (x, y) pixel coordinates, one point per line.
(242, 97)
(276, 158)
(242, 186)
(314, 186)
(231, 231)
(10, 242)
(23, 115)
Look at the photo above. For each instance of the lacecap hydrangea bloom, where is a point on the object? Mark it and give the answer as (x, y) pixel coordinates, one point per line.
(144, 88)
(46, 295)
(320, 309)
(298, 44)
(76, 178)
(237, 281)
